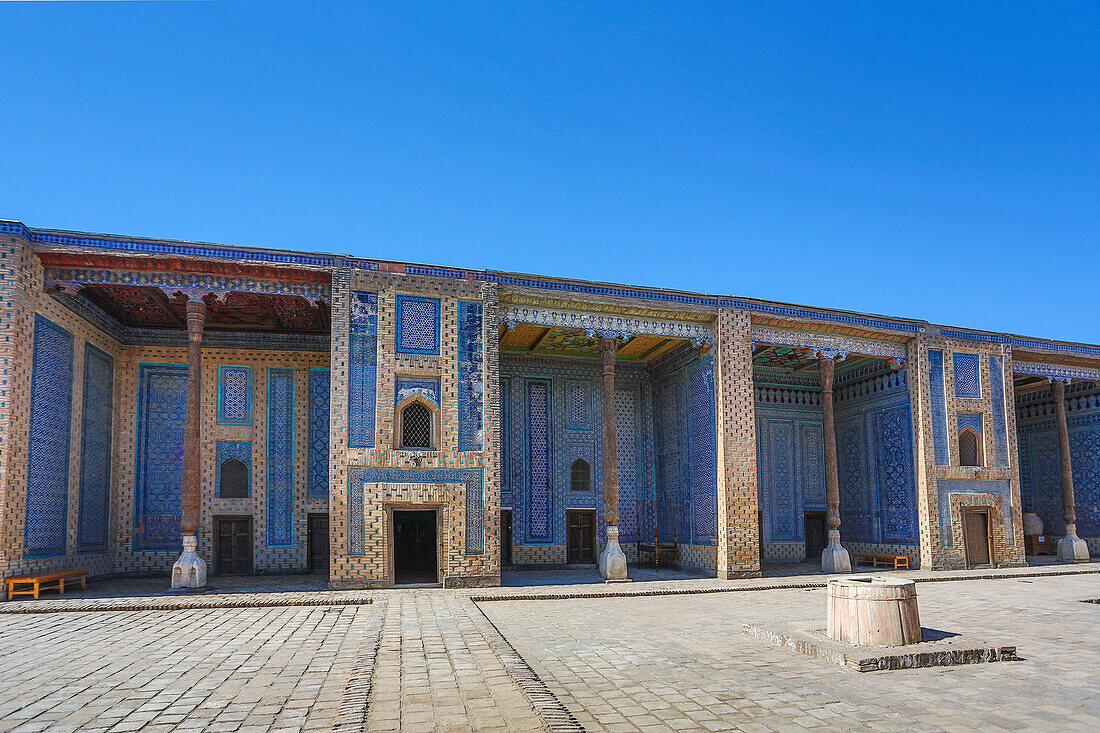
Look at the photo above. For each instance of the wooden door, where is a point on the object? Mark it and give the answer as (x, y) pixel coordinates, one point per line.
(318, 543)
(506, 538)
(976, 537)
(815, 534)
(233, 546)
(580, 536)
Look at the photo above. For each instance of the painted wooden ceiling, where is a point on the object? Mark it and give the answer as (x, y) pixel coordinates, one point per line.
(553, 341)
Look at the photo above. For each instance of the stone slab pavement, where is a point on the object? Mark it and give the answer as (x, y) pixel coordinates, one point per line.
(681, 663)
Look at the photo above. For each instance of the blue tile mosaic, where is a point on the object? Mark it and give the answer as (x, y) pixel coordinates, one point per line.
(540, 489)
(1000, 424)
(580, 412)
(362, 369)
(234, 395)
(405, 387)
(967, 376)
(319, 380)
(158, 482)
(470, 377)
(704, 454)
(938, 399)
(95, 451)
(505, 441)
(896, 483)
(280, 457)
(628, 442)
(46, 527)
(418, 325)
(471, 479)
(970, 420)
(239, 449)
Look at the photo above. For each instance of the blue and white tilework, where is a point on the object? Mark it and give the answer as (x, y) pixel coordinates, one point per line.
(946, 488)
(470, 377)
(418, 325)
(280, 457)
(540, 474)
(405, 387)
(162, 407)
(45, 531)
(938, 398)
(234, 395)
(970, 420)
(95, 451)
(362, 369)
(239, 449)
(318, 431)
(967, 376)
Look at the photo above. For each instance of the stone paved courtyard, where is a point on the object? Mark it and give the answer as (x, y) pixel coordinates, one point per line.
(435, 662)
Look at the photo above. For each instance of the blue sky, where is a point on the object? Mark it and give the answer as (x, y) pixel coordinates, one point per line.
(929, 161)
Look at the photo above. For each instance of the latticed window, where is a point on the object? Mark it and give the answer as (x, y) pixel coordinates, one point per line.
(969, 453)
(580, 475)
(416, 426)
(234, 479)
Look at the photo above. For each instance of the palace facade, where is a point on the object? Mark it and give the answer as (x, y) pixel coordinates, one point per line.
(386, 422)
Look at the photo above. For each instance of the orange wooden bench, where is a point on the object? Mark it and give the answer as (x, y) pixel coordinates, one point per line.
(31, 585)
(886, 560)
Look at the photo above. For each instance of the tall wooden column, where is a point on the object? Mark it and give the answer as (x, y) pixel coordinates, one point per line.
(834, 558)
(1071, 548)
(189, 570)
(612, 559)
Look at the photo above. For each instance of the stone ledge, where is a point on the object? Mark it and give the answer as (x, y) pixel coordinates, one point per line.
(942, 650)
(177, 603)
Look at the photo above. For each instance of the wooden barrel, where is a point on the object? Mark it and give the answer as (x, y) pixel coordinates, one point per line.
(873, 611)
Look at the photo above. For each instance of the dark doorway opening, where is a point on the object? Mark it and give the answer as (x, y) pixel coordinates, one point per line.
(233, 546)
(318, 543)
(977, 537)
(815, 534)
(506, 538)
(580, 536)
(415, 549)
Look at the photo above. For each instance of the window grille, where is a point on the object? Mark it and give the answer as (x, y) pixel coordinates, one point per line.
(580, 475)
(968, 449)
(234, 479)
(416, 426)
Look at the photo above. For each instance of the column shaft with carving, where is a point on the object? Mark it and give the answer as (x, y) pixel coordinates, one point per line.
(834, 558)
(190, 570)
(612, 559)
(1071, 548)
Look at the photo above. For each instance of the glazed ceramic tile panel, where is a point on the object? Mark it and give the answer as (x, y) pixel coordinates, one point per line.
(280, 457)
(45, 530)
(95, 451)
(162, 407)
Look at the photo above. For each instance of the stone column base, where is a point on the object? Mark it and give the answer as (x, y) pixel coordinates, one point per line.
(834, 558)
(612, 559)
(1072, 548)
(190, 570)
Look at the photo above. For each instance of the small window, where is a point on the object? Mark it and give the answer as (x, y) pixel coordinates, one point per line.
(416, 427)
(234, 479)
(580, 475)
(969, 450)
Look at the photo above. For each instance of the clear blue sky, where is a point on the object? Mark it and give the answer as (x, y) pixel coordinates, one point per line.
(934, 162)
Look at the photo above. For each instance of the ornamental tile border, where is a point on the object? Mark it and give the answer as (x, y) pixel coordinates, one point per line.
(191, 284)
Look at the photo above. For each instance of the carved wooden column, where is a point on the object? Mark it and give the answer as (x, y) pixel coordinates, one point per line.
(612, 559)
(834, 558)
(1071, 548)
(189, 570)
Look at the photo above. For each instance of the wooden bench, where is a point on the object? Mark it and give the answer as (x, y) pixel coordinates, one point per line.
(658, 549)
(882, 559)
(31, 585)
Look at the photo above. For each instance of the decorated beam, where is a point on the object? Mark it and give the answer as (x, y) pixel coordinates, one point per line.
(829, 346)
(190, 286)
(597, 325)
(1055, 372)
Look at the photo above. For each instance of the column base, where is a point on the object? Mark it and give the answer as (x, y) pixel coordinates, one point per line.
(612, 559)
(190, 570)
(834, 558)
(1072, 548)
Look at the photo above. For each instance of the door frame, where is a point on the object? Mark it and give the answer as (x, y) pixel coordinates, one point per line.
(309, 545)
(823, 516)
(389, 508)
(595, 535)
(251, 539)
(967, 511)
(511, 537)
